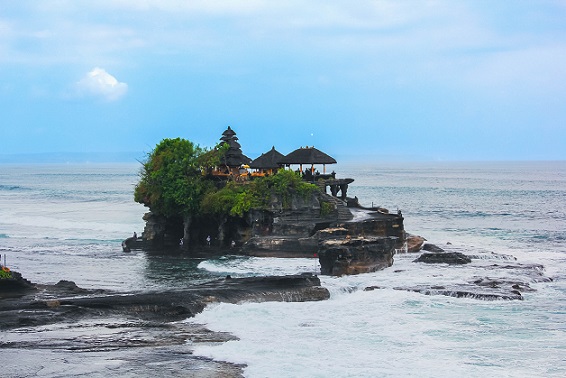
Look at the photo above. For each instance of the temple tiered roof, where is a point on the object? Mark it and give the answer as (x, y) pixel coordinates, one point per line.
(234, 156)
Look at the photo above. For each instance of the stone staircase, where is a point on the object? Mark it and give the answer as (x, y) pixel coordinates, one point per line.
(344, 214)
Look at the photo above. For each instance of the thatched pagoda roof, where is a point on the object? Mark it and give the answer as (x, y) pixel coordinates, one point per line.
(234, 144)
(228, 134)
(234, 156)
(307, 155)
(236, 160)
(268, 160)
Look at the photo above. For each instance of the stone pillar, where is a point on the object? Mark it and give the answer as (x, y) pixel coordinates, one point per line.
(334, 190)
(344, 190)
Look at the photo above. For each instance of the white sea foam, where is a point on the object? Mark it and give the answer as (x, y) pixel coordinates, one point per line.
(388, 332)
(265, 266)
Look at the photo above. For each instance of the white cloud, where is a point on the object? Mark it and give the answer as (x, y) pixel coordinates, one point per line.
(100, 83)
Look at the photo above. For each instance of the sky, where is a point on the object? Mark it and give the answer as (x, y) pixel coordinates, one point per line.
(383, 80)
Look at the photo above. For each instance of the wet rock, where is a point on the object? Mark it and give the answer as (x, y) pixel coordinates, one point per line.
(287, 227)
(56, 305)
(466, 291)
(451, 258)
(356, 255)
(488, 288)
(112, 347)
(432, 248)
(69, 287)
(534, 271)
(498, 283)
(15, 286)
(414, 243)
(372, 288)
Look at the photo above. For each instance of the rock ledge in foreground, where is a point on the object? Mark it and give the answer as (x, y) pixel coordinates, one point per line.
(66, 302)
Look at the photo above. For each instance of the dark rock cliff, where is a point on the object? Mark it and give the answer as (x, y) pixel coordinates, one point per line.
(295, 227)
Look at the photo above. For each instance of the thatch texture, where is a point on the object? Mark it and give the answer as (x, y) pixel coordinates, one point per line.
(307, 155)
(268, 160)
(234, 156)
(228, 134)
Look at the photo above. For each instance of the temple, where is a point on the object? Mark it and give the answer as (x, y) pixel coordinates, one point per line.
(299, 221)
(235, 165)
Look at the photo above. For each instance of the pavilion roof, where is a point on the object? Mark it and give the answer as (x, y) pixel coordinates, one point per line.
(268, 160)
(307, 155)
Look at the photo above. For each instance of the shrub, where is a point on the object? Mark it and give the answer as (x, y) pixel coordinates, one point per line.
(326, 208)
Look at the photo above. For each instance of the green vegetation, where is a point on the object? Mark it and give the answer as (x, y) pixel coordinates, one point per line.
(172, 183)
(236, 199)
(5, 273)
(326, 208)
(220, 202)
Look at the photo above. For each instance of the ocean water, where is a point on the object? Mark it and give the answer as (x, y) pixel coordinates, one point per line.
(67, 222)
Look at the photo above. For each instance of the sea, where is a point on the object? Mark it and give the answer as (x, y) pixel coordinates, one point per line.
(66, 221)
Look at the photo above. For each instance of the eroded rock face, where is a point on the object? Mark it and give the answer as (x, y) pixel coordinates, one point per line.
(377, 225)
(356, 255)
(281, 246)
(155, 227)
(286, 228)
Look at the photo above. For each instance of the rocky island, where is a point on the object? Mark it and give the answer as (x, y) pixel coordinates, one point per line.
(220, 199)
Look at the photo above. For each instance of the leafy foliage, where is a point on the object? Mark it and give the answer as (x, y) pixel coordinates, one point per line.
(5, 274)
(236, 199)
(213, 158)
(171, 182)
(326, 208)
(221, 202)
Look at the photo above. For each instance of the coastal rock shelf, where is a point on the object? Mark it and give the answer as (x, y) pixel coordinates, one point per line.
(492, 281)
(67, 302)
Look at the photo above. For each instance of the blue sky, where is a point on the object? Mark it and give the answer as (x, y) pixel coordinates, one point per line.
(390, 80)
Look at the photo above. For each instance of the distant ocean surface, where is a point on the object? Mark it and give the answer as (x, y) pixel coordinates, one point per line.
(67, 222)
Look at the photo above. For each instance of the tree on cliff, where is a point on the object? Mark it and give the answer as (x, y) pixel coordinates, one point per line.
(171, 182)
